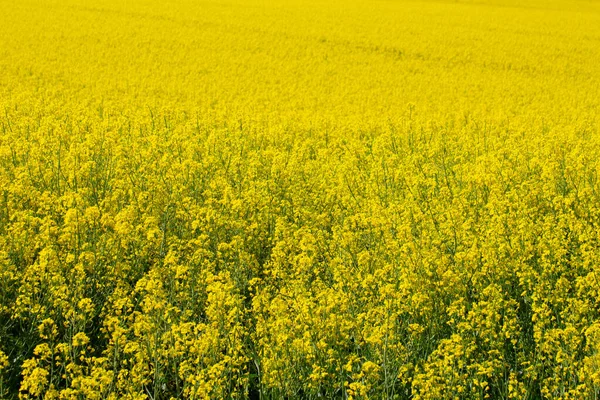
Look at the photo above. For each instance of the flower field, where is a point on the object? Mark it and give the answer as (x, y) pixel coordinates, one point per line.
(299, 199)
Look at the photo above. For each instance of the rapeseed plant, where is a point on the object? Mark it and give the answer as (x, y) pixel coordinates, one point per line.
(299, 199)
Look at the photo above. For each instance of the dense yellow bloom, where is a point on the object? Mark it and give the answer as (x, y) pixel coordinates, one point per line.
(299, 199)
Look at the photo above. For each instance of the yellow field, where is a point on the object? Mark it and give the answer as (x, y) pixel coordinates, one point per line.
(299, 199)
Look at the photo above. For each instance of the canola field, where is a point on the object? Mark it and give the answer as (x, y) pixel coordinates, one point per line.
(299, 199)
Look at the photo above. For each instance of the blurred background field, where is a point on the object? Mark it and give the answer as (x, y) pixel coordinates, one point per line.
(299, 199)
